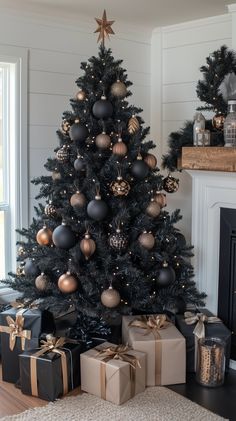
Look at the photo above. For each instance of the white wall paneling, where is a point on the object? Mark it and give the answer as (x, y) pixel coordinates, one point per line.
(56, 50)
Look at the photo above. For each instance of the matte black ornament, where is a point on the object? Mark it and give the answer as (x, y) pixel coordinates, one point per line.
(170, 184)
(63, 237)
(79, 164)
(102, 109)
(63, 154)
(139, 168)
(166, 276)
(118, 241)
(97, 209)
(30, 268)
(78, 132)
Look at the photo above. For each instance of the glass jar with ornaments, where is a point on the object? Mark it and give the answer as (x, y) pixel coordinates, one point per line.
(230, 124)
(199, 124)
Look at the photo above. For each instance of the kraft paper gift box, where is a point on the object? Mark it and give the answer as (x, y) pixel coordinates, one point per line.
(114, 380)
(209, 326)
(165, 348)
(20, 330)
(52, 370)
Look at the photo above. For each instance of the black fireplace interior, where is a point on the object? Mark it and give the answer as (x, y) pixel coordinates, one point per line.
(227, 273)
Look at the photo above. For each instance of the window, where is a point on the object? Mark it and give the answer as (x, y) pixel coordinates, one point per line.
(13, 153)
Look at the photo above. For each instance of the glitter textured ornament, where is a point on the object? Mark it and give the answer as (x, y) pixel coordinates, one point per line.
(44, 236)
(170, 184)
(42, 282)
(65, 126)
(118, 89)
(50, 210)
(67, 283)
(78, 200)
(118, 241)
(120, 187)
(110, 298)
(21, 251)
(103, 141)
(63, 154)
(160, 198)
(153, 209)
(133, 125)
(80, 96)
(87, 246)
(151, 161)
(218, 122)
(147, 240)
(120, 148)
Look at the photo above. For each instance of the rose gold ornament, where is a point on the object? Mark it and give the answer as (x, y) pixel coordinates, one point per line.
(44, 236)
(78, 200)
(87, 246)
(110, 298)
(67, 283)
(153, 209)
(147, 240)
(120, 148)
(151, 160)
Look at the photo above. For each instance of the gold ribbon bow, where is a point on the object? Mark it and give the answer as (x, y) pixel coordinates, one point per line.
(117, 352)
(200, 319)
(23, 305)
(153, 324)
(16, 329)
(51, 344)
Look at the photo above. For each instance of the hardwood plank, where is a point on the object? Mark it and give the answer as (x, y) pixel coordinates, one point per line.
(209, 158)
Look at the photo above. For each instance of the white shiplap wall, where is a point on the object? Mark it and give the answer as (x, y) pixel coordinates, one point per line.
(178, 52)
(55, 53)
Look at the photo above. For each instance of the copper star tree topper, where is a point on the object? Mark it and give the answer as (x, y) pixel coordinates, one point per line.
(104, 28)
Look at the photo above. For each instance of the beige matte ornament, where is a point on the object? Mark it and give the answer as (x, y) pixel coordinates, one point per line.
(147, 240)
(67, 283)
(78, 200)
(81, 95)
(133, 125)
(120, 148)
(110, 297)
(151, 160)
(44, 236)
(160, 198)
(87, 246)
(42, 281)
(153, 209)
(56, 175)
(103, 141)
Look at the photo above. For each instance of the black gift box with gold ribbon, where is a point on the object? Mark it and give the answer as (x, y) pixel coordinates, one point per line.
(192, 330)
(20, 330)
(45, 376)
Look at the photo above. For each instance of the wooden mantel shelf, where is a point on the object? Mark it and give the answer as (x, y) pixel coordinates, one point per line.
(208, 158)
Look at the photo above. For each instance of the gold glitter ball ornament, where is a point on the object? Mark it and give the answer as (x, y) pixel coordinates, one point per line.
(50, 210)
(218, 122)
(65, 126)
(170, 184)
(118, 89)
(63, 154)
(81, 95)
(153, 209)
(41, 282)
(120, 187)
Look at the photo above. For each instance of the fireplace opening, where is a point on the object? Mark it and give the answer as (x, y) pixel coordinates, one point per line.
(227, 273)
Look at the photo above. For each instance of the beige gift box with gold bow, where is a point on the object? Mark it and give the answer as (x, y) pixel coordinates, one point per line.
(113, 372)
(163, 344)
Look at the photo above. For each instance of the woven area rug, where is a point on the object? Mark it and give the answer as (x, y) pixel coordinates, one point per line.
(155, 404)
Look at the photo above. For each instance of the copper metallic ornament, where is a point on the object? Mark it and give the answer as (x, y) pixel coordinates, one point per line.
(78, 200)
(81, 95)
(103, 141)
(120, 148)
(151, 160)
(110, 298)
(104, 28)
(87, 246)
(67, 283)
(44, 236)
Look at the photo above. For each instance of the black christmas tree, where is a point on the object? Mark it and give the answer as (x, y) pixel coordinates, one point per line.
(104, 243)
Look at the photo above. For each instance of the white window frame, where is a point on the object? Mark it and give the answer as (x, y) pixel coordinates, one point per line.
(18, 150)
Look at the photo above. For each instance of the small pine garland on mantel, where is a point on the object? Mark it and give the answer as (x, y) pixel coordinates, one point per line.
(219, 65)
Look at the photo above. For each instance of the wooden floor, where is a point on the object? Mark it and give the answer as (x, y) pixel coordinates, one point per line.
(12, 401)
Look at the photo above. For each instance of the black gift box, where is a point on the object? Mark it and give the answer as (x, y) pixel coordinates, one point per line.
(34, 320)
(65, 321)
(214, 330)
(49, 371)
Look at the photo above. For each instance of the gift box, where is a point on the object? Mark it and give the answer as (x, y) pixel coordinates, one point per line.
(20, 330)
(51, 371)
(64, 321)
(198, 325)
(163, 344)
(113, 372)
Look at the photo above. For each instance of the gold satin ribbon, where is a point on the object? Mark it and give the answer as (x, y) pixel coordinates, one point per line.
(23, 305)
(16, 329)
(153, 325)
(199, 331)
(118, 352)
(50, 345)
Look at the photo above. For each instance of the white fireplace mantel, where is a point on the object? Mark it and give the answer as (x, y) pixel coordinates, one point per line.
(211, 190)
